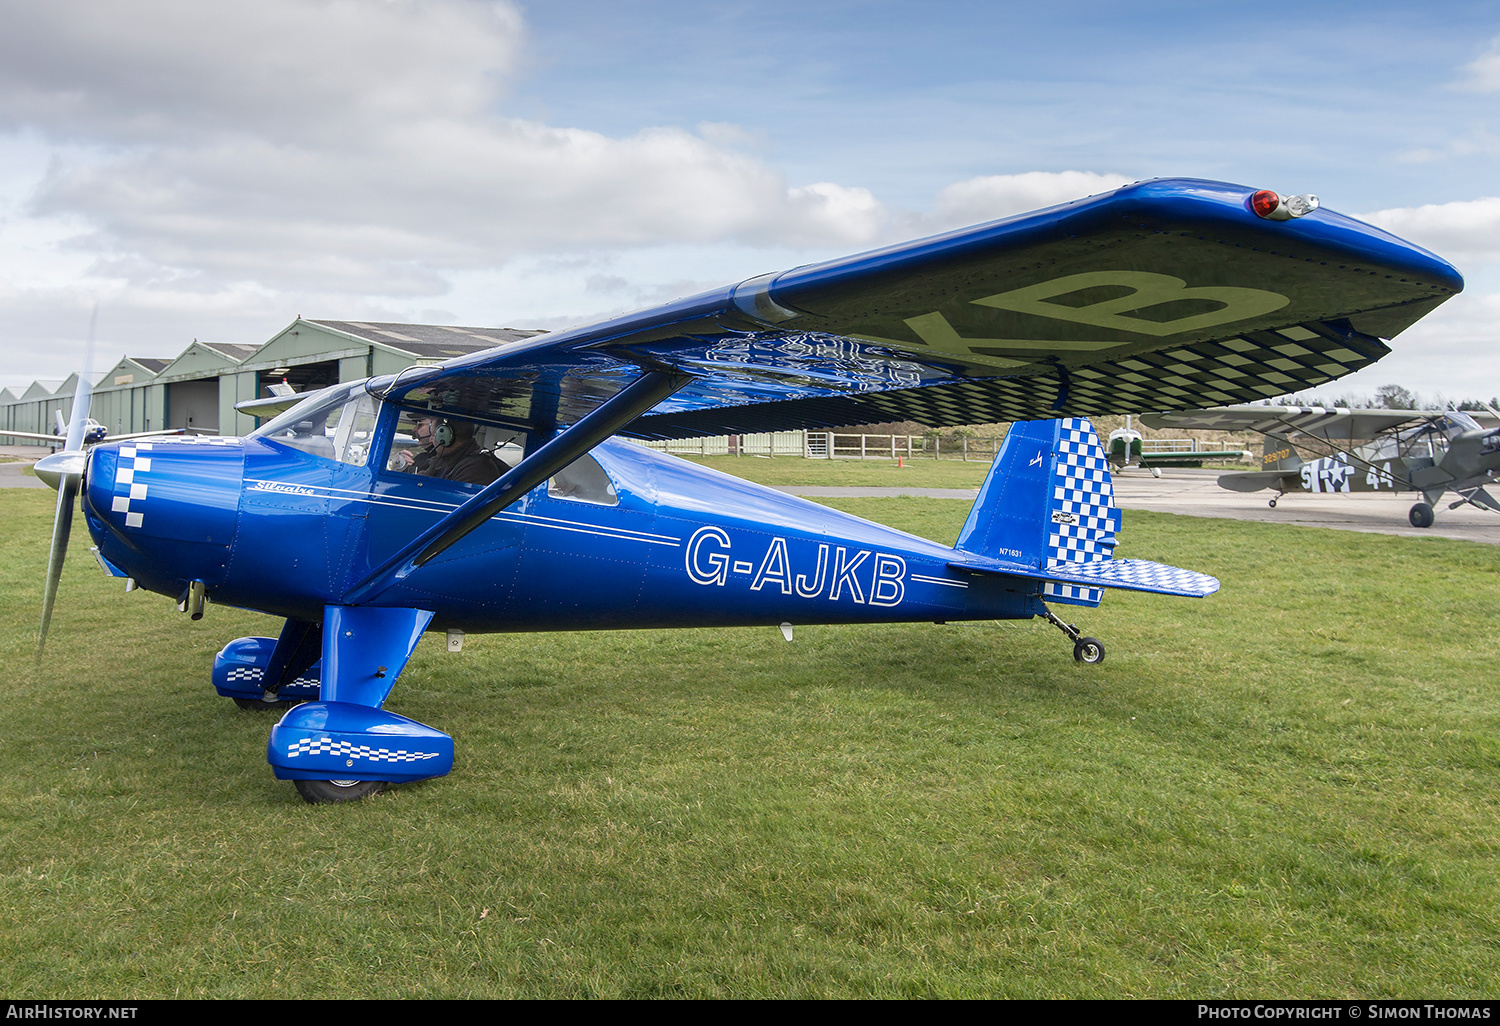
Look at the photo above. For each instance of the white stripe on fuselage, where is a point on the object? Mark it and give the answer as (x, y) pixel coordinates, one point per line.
(440, 508)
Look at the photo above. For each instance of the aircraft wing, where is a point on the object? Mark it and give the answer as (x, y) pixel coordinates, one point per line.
(1167, 294)
(271, 407)
(1162, 295)
(1335, 425)
(37, 436)
(163, 433)
(63, 439)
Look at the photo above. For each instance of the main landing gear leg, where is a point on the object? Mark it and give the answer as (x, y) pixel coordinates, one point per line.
(1085, 650)
(344, 747)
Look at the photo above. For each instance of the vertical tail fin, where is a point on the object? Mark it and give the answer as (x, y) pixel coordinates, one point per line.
(1048, 502)
(1279, 454)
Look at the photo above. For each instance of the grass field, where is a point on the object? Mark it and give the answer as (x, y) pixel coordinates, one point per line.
(794, 470)
(1288, 789)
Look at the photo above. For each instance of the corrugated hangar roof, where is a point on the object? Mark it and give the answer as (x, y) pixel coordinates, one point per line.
(236, 351)
(428, 341)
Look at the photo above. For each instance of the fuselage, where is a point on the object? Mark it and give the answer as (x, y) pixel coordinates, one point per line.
(662, 543)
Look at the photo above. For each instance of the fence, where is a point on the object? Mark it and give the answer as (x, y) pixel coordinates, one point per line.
(823, 445)
(1150, 446)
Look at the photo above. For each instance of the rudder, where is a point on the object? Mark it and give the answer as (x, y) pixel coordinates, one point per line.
(1047, 503)
(1278, 453)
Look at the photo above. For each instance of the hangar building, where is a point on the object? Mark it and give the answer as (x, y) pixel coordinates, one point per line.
(199, 388)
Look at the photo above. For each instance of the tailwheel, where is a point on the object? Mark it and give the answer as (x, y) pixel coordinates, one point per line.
(324, 792)
(1085, 650)
(1272, 504)
(1088, 650)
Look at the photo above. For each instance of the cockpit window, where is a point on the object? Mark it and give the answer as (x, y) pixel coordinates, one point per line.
(339, 423)
(451, 448)
(583, 480)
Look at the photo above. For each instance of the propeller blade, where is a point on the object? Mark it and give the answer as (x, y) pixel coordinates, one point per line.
(84, 392)
(62, 527)
(64, 471)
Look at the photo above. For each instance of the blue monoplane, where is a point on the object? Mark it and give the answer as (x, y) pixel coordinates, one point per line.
(490, 493)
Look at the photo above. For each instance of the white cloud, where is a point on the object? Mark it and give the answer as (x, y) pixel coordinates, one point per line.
(989, 197)
(1477, 140)
(1451, 352)
(355, 148)
(1483, 74)
(1461, 232)
(157, 70)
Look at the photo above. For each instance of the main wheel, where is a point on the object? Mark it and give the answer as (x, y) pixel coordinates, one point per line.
(1420, 515)
(1088, 650)
(322, 792)
(260, 705)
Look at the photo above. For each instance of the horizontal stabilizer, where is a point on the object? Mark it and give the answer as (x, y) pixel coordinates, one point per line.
(1255, 480)
(1126, 574)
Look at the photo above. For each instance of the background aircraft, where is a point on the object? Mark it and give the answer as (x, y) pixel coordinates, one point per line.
(1432, 452)
(1162, 294)
(93, 433)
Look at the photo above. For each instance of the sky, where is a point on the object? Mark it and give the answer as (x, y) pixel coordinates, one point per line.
(213, 171)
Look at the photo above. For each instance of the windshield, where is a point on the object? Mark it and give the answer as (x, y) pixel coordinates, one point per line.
(1456, 423)
(314, 405)
(337, 423)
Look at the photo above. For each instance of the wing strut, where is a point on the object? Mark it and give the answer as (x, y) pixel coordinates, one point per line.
(566, 446)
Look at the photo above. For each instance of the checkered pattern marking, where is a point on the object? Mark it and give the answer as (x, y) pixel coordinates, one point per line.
(1082, 510)
(135, 462)
(1242, 368)
(258, 673)
(1145, 575)
(196, 440)
(349, 750)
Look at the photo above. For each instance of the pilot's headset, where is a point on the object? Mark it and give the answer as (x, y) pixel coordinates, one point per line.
(442, 434)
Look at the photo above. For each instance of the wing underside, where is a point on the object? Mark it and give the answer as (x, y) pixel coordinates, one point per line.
(1164, 295)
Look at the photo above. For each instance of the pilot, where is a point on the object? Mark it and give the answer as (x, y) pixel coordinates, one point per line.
(449, 451)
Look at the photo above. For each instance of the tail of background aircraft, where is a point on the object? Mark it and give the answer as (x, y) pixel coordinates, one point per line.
(1046, 511)
(1279, 454)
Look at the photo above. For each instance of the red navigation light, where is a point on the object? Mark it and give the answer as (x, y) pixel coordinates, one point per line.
(1265, 203)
